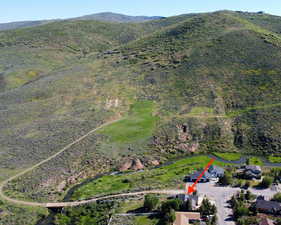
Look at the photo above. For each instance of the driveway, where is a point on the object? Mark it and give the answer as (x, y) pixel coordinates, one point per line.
(222, 194)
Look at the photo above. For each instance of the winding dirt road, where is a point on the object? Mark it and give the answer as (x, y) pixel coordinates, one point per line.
(2, 194)
(75, 203)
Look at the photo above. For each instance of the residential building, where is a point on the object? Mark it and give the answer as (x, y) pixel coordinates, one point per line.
(271, 207)
(250, 172)
(213, 173)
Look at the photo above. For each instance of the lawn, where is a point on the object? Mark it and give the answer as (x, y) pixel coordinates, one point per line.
(169, 176)
(255, 161)
(139, 124)
(228, 156)
(144, 220)
(274, 159)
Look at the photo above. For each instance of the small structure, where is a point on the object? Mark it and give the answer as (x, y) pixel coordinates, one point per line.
(195, 200)
(184, 218)
(270, 207)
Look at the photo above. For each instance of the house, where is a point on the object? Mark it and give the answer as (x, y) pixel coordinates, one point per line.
(214, 172)
(254, 169)
(271, 207)
(250, 172)
(193, 177)
(185, 218)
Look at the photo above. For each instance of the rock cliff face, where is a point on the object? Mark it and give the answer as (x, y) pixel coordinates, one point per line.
(131, 164)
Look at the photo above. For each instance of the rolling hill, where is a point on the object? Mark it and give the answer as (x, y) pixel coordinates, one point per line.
(195, 83)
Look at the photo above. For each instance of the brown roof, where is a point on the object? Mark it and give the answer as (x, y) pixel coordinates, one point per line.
(265, 221)
(182, 218)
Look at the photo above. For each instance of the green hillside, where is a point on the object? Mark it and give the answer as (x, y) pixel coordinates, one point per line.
(182, 85)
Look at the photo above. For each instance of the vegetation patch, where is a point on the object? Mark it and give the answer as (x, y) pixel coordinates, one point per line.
(228, 156)
(139, 124)
(166, 176)
(144, 220)
(255, 161)
(274, 159)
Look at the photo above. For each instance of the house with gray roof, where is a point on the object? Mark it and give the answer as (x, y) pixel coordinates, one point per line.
(271, 207)
(213, 172)
(250, 172)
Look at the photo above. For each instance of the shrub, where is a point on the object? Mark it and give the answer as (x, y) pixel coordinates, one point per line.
(150, 202)
(226, 179)
(240, 211)
(277, 197)
(266, 182)
(207, 208)
(171, 204)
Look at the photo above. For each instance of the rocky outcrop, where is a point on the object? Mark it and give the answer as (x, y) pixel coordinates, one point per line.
(180, 140)
(154, 163)
(137, 165)
(131, 164)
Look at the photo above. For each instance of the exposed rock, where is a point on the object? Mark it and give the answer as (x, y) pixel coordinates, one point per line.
(183, 133)
(133, 164)
(61, 186)
(137, 165)
(155, 163)
(189, 147)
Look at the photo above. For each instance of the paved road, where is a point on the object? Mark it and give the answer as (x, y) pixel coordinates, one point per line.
(220, 195)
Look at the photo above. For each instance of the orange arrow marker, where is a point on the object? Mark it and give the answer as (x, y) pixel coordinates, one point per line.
(192, 188)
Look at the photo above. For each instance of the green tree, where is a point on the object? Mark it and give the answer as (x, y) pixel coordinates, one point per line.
(240, 211)
(266, 182)
(207, 208)
(226, 179)
(277, 197)
(248, 195)
(187, 206)
(170, 216)
(171, 204)
(278, 221)
(150, 202)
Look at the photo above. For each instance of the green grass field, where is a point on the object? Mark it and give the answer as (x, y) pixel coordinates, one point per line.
(144, 220)
(228, 156)
(274, 159)
(166, 176)
(139, 124)
(255, 161)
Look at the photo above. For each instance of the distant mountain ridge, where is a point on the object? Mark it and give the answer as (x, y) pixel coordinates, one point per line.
(104, 17)
(115, 17)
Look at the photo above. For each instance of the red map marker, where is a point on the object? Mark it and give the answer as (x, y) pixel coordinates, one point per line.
(192, 188)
